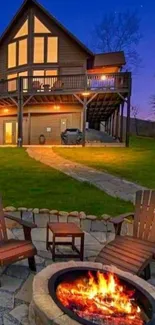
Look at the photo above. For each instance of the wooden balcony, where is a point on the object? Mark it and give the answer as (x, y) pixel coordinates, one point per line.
(67, 84)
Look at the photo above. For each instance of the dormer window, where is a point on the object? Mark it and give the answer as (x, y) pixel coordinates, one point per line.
(45, 45)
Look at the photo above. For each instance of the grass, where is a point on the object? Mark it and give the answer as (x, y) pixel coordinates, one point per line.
(26, 182)
(136, 163)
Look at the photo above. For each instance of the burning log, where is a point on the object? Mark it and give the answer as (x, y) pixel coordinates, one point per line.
(101, 300)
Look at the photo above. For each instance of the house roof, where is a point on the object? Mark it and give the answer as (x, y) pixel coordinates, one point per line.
(109, 59)
(25, 6)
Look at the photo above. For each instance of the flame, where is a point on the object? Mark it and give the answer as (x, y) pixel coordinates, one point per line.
(98, 298)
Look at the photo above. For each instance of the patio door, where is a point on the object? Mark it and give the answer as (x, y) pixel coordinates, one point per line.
(10, 132)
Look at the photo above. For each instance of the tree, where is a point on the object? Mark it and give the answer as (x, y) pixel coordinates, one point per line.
(153, 103)
(134, 113)
(120, 32)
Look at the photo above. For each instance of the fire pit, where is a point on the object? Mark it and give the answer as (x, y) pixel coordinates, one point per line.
(89, 293)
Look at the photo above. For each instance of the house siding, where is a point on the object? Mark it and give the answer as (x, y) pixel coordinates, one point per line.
(40, 123)
(41, 118)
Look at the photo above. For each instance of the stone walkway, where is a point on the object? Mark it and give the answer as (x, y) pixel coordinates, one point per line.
(112, 185)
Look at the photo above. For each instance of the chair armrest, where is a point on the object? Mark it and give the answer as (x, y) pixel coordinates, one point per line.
(27, 226)
(117, 221)
(121, 217)
(21, 222)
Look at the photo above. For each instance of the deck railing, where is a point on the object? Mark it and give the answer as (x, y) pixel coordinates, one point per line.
(68, 83)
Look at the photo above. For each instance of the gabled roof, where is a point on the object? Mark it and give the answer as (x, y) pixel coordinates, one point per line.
(25, 6)
(109, 59)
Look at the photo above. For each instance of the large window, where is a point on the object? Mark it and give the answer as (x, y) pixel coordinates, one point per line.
(39, 50)
(23, 31)
(40, 55)
(45, 46)
(18, 50)
(52, 49)
(12, 55)
(22, 52)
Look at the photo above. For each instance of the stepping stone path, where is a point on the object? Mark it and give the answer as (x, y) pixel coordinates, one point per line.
(112, 185)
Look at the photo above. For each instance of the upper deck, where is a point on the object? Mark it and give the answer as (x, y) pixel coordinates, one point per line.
(66, 84)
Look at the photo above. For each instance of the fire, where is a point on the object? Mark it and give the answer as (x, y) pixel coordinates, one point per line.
(101, 299)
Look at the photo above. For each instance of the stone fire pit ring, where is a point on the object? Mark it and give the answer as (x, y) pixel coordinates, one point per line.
(44, 311)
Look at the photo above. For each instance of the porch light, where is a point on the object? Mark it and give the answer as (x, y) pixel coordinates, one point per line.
(6, 110)
(103, 77)
(86, 94)
(56, 107)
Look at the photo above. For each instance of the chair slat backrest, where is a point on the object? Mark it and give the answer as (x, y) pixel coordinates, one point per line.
(3, 233)
(144, 221)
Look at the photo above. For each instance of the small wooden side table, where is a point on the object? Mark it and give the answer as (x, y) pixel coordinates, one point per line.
(68, 230)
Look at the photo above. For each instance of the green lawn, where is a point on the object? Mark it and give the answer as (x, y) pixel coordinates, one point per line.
(136, 163)
(26, 182)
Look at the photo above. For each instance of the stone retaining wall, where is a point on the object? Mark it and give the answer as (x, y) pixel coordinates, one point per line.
(41, 216)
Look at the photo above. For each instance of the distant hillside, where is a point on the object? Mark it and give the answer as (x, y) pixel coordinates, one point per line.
(142, 127)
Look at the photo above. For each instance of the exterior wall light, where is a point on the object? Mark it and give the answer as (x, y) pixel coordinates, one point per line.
(103, 77)
(56, 107)
(86, 94)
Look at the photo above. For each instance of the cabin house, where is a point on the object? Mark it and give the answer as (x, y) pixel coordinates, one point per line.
(50, 81)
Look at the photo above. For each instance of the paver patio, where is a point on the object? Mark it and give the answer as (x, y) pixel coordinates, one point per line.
(112, 185)
(16, 290)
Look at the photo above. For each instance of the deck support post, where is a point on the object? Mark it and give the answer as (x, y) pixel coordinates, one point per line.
(110, 132)
(20, 112)
(113, 122)
(29, 128)
(128, 122)
(117, 124)
(84, 121)
(122, 120)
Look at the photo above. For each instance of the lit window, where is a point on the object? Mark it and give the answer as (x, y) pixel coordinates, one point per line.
(51, 73)
(51, 81)
(25, 80)
(38, 82)
(23, 31)
(39, 27)
(22, 56)
(52, 50)
(12, 84)
(39, 50)
(11, 55)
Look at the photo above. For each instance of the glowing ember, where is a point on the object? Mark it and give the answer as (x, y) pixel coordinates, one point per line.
(100, 299)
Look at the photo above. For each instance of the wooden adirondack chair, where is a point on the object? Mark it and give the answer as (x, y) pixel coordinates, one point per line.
(13, 250)
(134, 254)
